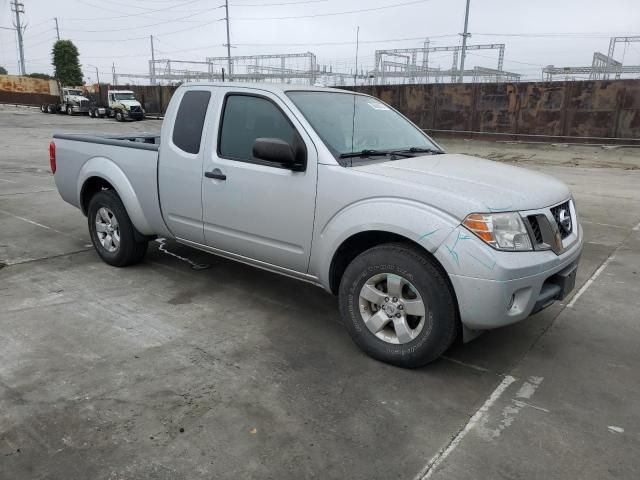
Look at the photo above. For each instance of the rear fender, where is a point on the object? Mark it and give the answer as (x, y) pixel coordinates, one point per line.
(102, 167)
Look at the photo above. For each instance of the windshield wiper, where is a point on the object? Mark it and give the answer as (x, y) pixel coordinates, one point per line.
(374, 153)
(418, 150)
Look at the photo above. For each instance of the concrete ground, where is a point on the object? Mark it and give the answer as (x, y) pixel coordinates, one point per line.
(166, 371)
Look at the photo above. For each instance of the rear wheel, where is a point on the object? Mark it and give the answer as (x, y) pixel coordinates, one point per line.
(51, 109)
(398, 306)
(43, 108)
(112, 233)
(91, 113)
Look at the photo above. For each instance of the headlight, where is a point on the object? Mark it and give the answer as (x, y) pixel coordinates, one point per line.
(503, 231)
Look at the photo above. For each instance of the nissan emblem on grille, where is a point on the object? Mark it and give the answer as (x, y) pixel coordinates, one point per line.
(565, 221)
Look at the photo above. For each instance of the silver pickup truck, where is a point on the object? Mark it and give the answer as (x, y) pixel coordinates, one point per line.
(338, 189)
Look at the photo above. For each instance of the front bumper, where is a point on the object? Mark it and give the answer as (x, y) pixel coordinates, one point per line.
(80, 108)
(136, 115)
(487, 303)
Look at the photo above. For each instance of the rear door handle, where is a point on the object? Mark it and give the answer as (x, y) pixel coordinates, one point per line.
(215, 173)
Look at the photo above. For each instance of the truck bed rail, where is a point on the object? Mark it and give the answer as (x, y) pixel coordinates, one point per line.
(145, 141)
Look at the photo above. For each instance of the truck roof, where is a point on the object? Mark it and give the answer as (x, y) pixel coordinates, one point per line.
(120, 91)
(271, 87)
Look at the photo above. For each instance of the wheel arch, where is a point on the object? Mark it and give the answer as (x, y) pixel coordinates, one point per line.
(101, 173)
(359, 242)
(91, 186)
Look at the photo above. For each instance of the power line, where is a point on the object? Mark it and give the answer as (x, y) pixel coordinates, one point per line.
(84, 2)
(234, 4)
(145, 37)
(346, 42)
(560, 34)
(331, 14)
(143, 26)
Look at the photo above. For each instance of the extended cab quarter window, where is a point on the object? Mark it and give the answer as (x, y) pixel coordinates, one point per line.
(247, 118)
(187, 131)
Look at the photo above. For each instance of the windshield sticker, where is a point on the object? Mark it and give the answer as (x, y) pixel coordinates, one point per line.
(377, 106)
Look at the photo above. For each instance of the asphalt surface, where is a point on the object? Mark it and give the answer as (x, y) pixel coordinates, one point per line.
(191, 366)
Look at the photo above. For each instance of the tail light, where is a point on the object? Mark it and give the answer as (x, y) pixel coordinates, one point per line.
(52, 157)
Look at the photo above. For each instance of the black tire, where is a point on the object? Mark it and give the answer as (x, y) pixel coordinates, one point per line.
(43, 108)
(131, 250)
(119, 116)
(69, 110)
(91, 114)
(441, 323)
(51, 109)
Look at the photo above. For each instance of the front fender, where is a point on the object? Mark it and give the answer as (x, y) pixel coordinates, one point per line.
(413, 220)
(104, 168)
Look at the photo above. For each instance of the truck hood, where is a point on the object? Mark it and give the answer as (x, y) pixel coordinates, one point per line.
(130, 103)
(462, 184)
(76, 98)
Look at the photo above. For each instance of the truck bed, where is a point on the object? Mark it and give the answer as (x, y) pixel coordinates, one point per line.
(128, 162)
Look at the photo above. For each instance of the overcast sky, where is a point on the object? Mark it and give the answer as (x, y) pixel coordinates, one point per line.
(107, 31)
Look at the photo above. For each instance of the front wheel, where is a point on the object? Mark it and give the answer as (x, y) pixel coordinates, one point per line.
(69, 110)
(119, 116)
(112, 233)
(398, 305)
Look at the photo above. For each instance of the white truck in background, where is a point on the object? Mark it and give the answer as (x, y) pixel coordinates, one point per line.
(121, 105)
(72, 101)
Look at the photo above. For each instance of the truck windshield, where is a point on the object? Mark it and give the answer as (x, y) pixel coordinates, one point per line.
(355, 126)
(77, 93)
(125, 96)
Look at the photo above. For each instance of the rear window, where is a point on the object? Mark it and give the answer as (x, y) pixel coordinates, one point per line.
(187, 130)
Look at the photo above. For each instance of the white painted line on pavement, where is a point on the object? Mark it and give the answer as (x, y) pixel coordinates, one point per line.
(439, 457)
(592, 279)
(40, 225)
(8, 181)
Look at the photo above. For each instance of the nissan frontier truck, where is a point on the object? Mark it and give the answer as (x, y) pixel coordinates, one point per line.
(338, 189)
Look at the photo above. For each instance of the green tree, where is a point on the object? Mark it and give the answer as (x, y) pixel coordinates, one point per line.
(3, 71)
(42, 76)
(65, 62)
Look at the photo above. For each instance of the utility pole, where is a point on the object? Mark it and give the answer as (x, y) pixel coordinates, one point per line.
(57, 29)
(152, 69)
(19, 8)
(226, 9)
(464, 42)
(355, 77)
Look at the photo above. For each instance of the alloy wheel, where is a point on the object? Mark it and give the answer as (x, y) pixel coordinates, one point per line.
(391, 308)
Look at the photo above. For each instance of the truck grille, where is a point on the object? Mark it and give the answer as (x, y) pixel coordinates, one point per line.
(84, 103)
(562, 216)
(535, 228)
(136, 109)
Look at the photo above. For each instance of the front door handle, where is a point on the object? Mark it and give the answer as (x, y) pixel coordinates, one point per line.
(215, 173)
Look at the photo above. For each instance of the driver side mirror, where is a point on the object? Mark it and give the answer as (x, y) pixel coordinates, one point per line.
(278, 151)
